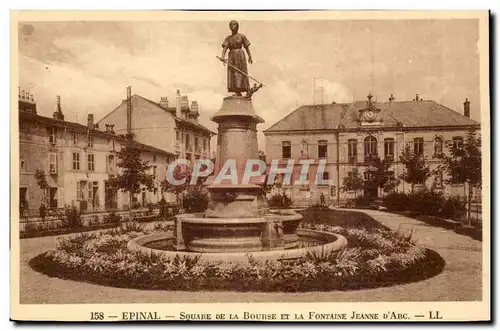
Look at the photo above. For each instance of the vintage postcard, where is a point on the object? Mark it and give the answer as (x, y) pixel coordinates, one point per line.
(316, 166)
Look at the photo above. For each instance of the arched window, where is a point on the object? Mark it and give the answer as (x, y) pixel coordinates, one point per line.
(370, 147)
(438, 146)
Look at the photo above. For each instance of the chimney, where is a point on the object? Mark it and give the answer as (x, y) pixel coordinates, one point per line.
(164, 102)
(184, 106)
(178, 104)
(58, 114)
(467, 108)
(90, 121)
(194, 106)
(129, 111)
(112, 128)
(391, 98)
(416, 98)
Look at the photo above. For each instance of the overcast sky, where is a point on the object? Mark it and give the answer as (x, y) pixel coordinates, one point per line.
(90, 64)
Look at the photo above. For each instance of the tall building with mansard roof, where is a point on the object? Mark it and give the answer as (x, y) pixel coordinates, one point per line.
(347, 135)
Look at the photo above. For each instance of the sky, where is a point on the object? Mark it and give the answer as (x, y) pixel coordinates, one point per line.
(90, 64)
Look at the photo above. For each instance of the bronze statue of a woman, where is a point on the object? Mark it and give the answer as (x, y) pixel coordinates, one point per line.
(237, 72)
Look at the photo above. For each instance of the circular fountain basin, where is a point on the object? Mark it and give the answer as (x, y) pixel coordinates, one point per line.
(329, 242)
(240, 234)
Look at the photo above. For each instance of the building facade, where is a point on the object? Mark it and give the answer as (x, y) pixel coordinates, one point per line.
(77, 161)
(173, 129)
(346, 136)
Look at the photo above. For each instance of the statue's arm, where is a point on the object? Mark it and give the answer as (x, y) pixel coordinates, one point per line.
(224, 50)
(246, 44)
(250, 60)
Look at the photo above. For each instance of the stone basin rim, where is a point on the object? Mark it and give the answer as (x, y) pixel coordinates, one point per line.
(337, 243)
(196, 219)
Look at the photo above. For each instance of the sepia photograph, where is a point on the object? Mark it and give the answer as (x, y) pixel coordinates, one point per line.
(335, 163)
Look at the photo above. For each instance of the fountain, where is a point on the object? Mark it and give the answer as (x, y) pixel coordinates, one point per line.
(238, 222)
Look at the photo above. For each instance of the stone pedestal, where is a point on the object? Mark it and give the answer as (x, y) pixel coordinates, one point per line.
(237, 140)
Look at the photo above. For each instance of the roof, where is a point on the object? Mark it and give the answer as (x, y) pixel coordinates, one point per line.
(414, 114)
(24, 115)
(178, 119)
(151, 149)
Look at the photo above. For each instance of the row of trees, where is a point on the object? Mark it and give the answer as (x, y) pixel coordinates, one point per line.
(462, 165)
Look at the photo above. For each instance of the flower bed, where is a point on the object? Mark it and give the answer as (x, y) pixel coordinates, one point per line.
(372, 258)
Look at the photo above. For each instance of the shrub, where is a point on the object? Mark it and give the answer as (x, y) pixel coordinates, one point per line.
(453, 208)
(112, 218)
(278, 200)
(397, 201)
(196, 199)
(362, 201)
(72, 217)
(426, 202)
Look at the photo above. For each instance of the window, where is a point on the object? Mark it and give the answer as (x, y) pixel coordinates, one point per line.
(80, 190)
(22, 164)
(438, 146)
(76, 161)
(92, 189)
(154, 171)
(326, 175)
(75, 139)
(90, 162)
(458, 142)
(389, 148)
(418, 146)
(90, 142)
(196, 143)
(177, 135)
(188, 147)
(52, 163)
(52, 135)
(111, 163)
(154, 158)
(286, 149)
(370, 147)
(322, 148)
(205, 143)
(352, 150)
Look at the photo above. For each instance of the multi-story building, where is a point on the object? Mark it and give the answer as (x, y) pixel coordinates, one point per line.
(346, 135)
(172, 129)
(77, 161)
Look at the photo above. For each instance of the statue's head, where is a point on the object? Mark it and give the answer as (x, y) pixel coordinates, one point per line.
(234, 26)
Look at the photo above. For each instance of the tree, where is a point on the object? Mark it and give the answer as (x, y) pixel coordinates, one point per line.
(416, 170)
(41, 180)
(180, 171)
(378, 173)
(463, 165)
(353, 182)
(134, 175)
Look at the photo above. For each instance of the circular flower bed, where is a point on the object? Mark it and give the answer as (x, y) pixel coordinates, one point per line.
(372, 258)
